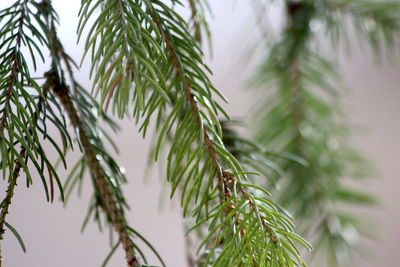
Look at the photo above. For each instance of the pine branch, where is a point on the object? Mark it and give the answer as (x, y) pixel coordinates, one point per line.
(136, 57)
(5, 204)
(3, 123)
(225, 179)
(373, 23)
(198, 20)
(110, 203)
(179, 69)
(22, 120)
(304, 117)
(146, 61)
(13, 72)
(180, 78)
(195, 21)
(19, 111)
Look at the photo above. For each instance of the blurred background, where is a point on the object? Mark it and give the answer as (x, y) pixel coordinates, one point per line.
(52, 233)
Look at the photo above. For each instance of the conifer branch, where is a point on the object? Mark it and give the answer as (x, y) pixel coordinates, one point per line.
(195, 21)
(11, 79)
(110, 203)
(198, 20)
(22, 119)
(19, 111)
(111, 207)
(12, 182)
(5, 204)
(146, 59)
(312, 131)
(196, 149)
(225, 179)
(375, 23)
(179, 69)
(304, 117)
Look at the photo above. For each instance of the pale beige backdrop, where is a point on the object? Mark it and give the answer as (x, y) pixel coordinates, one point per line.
(52, 233)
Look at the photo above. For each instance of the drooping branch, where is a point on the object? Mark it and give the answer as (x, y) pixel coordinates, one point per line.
(3, 123)
(198, 22)
(12, 183)
(171, 80)
(20, 113)
(105, 172)
(195, 20)
(216, 161)
(303, 116)
(111, 206)
(225, 179)
(109, 202)
(5, 204)
(15, 66)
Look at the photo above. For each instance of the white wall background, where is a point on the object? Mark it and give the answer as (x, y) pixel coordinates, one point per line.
(52, 233)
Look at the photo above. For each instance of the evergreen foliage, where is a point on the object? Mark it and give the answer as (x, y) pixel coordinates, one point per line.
(147, 63)
(303, 115)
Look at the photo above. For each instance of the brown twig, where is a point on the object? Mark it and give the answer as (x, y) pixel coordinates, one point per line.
(9, 194)
(109, 201)
(110, 204)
